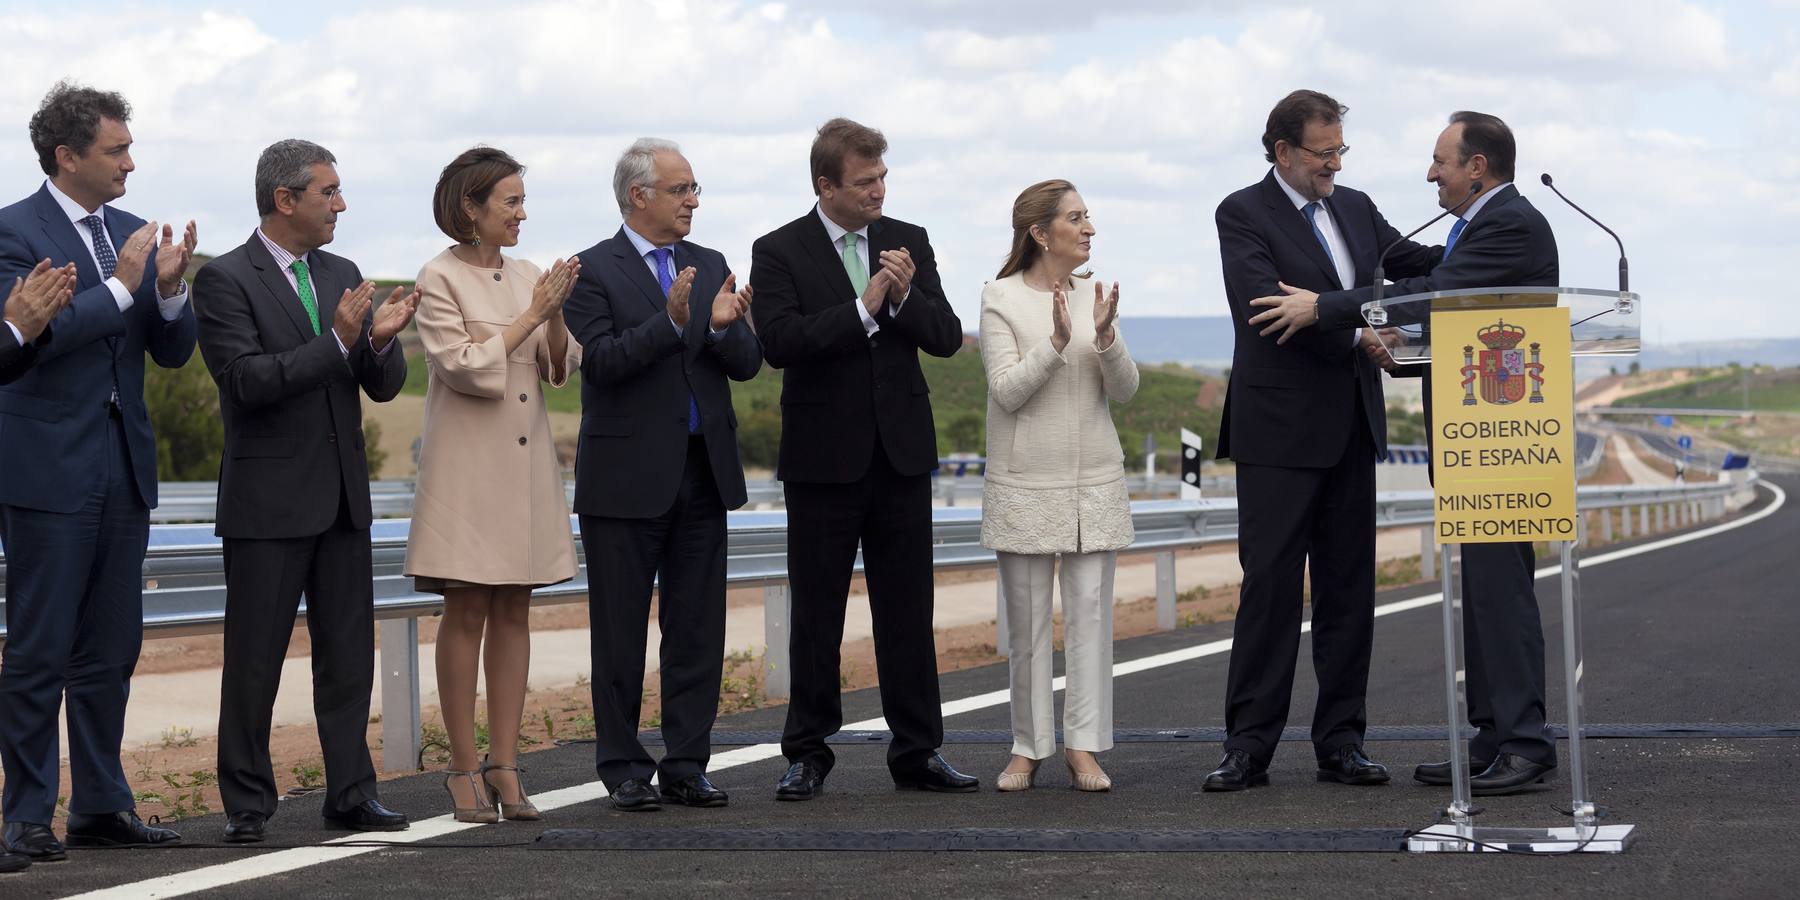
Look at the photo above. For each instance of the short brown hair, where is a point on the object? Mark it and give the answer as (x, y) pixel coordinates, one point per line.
(471, 175)
(1289, 118)
(1488, 136)
(69, 116)
(838, 139)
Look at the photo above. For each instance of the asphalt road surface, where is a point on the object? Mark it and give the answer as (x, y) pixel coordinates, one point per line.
(1699, 631)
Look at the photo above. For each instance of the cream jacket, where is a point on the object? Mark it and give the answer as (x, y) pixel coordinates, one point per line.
(1055, 471)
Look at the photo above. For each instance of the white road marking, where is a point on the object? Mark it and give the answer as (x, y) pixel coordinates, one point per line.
(266, 864)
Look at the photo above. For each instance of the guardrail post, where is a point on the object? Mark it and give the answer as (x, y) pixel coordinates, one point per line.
(1165, 590)
(777, 615)
(1661, 520)
(1643, 520)
(400, 719)
(1427, 555)
(1581, 529)
(1606, 526)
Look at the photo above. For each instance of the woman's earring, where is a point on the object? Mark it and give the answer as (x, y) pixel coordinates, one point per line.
(475, 241)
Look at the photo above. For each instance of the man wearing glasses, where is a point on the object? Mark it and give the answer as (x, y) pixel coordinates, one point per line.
(1305, 422)
(661, 325)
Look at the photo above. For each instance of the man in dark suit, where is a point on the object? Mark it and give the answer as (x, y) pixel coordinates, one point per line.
(289, 336)
(1499, 239)
(78, 474)
(1306, 423)
(846, 299)
(661, 327)
(35, 300)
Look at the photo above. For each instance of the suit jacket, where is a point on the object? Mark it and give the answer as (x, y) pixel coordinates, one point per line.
(16, 359)
(637, 373)
(841, 388)
(1507, 243)
(1294, 404)
(53, 418)
(293, 420)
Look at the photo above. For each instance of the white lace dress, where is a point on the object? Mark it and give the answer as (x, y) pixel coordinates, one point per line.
(1055, 479)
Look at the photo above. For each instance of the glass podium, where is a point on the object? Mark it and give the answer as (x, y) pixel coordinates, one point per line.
(1602, 323)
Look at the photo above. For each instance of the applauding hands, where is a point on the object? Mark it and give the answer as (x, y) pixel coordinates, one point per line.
(1106, 315)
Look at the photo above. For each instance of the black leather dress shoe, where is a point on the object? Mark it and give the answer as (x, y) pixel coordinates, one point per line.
(120, 829)
(694, 790)
(1349, 766)
(13, 862)
(803, 781)
(1510, 774)
(368, 815)
(1235, 773)
(34, 842)
(1438, 774)
(635, 795)
(937, 775)
(245, 827)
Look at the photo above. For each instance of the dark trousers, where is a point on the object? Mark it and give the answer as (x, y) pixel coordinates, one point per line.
(1503, 646)
(1289, 518)
(264, 580)
(686, 545)
(890, 514)
(74, 625)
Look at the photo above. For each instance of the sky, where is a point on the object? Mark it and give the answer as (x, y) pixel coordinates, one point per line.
(1676, 123)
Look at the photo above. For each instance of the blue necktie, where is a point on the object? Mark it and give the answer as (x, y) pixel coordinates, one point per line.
(1311, 210)
(1455, 232)
(109, 263)
(665, 278)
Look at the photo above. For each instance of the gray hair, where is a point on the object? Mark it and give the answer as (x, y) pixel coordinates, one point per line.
(286, 164)
(637, 168)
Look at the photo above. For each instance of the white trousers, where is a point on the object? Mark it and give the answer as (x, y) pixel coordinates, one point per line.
(1027, 582)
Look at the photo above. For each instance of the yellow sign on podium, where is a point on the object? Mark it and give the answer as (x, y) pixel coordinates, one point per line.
(1503, 425)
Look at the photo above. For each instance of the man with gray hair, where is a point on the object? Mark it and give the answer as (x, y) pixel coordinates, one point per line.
(290, 336)
(662, 332)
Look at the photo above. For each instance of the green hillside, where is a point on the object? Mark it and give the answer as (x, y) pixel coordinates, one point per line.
(1766, 388)
(1168, 399)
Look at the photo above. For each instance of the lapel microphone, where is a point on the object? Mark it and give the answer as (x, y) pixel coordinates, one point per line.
(1624, 267)
(1380, 277)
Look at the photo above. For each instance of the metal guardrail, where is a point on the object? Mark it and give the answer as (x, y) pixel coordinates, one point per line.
(184, 589)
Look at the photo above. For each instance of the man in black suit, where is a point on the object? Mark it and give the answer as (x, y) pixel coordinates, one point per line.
(1305, 421)
(1499, 239)
(846, 299)
(36, 298)
(290, 337)
(661, 327)
(78, 475)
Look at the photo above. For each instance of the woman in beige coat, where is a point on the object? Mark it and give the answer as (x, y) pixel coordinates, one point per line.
(490, 519)
(1055, 484)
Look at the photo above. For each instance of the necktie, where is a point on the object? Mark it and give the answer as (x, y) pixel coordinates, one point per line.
(853, 265)
(303, 284)
(103, 251)
(665, 278)
(1455, 232)
(1312, 210)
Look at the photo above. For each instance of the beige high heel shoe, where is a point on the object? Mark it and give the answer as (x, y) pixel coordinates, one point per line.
(1086, 781)
(1018, 781)
(482, 812)
(521, 811)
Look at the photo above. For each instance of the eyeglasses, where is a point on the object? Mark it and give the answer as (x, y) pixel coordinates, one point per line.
(1327, 155)
(682, 190)
(331, 193)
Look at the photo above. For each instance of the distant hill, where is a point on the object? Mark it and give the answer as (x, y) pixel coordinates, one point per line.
(1203, 342)
(1765, 389)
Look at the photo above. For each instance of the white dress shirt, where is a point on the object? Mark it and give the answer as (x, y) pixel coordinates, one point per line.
(837, 232)
(169, 307)
(1340, 251)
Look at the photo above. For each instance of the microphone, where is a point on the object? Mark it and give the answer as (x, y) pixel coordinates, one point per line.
(1380, 277)
(1624, 267)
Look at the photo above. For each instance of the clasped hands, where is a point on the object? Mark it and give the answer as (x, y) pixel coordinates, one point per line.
(892, 282)
(1106, 312)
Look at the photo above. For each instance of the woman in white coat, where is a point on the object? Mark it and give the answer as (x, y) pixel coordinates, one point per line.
(1055, 483)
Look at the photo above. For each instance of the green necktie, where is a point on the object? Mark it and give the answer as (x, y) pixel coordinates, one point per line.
(304, 283)
(853, 266)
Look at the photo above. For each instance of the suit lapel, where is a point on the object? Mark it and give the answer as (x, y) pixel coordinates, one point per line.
(1292, 222)
(280, 293)
(68, 238)
(699, 302)
(1362, 255)
(818, 243)
(1501, 197)
(637, 271)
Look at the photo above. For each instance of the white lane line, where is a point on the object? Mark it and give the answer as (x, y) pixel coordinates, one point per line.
(264, 865)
